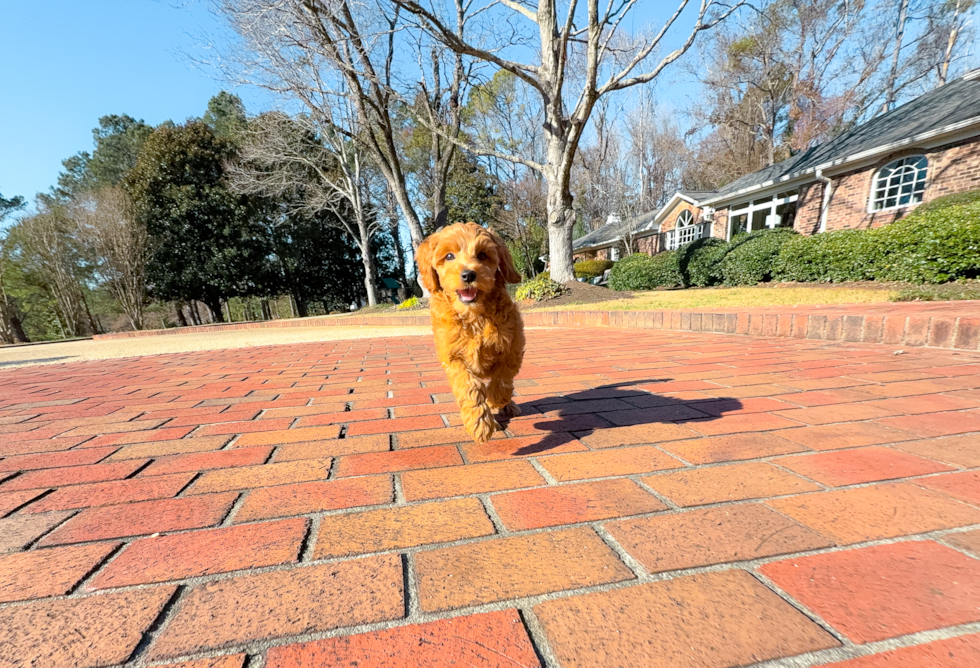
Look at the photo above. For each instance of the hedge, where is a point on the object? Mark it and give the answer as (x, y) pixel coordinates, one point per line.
(847, 255)
(699, 262)
(642, 272)
(751, 258)
(589, 269)
(936, 243)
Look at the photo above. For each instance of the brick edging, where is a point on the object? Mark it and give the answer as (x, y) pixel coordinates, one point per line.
(934, 331)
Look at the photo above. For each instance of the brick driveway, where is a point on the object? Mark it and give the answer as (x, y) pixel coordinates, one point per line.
(665, 500)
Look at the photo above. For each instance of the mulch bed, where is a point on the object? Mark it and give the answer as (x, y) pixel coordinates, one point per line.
(578, 293)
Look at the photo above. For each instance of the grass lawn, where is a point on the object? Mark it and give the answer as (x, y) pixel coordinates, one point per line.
(589, 298)
(769, 295)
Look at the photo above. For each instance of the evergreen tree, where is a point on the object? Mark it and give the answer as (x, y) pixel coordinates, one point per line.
(209, 244)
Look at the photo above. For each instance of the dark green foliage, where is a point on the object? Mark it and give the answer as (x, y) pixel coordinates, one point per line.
(8, 206)
(751, 258)
(225, 115)
(847, 255)
(642, 272)
(589, 269)
(118, 141)
(699, 262)
(936, 243)
(209, 244)
(539, 288)
(471, 192)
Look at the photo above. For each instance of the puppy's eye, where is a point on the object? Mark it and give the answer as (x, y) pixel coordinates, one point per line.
(481, 256)
(450, 257)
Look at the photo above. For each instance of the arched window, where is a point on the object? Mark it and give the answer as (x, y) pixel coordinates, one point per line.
(685, 232)
(900, 183)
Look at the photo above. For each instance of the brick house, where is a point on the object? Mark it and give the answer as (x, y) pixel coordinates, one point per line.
(867, 177)
(676, 223)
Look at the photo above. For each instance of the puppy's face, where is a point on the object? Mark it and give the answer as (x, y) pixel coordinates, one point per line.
(466, 263)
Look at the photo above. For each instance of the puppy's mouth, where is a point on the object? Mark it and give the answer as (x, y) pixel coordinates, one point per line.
(467, 296)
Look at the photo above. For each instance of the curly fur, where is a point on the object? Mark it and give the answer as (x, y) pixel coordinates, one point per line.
(480, 344)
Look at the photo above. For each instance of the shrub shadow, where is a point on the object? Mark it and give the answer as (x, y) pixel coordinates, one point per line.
(581, 414)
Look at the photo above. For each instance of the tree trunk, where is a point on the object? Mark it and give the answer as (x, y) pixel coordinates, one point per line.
(891, 93)
(88, 312)
(17, 329)
(301, 308)
(214, 305)
(181, 320)
(561, 219)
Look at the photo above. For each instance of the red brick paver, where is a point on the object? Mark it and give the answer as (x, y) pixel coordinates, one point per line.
(665, 499)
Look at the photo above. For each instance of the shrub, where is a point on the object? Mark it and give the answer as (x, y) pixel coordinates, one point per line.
(642, 272)
(411, 302)
(847, 255)
(539, 288)
(589, 269)
(699, 262)
(937, 242)
(751, 257)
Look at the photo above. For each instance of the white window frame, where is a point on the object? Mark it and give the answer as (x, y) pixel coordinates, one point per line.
(684, 229)
(894, 177)
(749, 208)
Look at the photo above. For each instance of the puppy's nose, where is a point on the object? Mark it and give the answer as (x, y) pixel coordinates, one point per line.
(468, 275)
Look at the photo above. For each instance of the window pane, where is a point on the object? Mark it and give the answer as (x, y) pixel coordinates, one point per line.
(738, 223)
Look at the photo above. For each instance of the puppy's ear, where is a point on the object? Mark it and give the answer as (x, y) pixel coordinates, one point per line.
(427, 273)
(505, 267)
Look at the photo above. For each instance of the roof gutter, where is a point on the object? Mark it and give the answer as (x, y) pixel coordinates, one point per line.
(936, 137)
(828, 190)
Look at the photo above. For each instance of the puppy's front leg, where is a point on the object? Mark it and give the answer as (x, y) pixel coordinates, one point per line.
(471, 397)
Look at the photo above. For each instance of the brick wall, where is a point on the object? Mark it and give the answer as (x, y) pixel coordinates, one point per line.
(671, 220)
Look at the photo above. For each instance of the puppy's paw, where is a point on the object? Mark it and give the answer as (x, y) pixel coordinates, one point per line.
(511, 410)
(484, 428)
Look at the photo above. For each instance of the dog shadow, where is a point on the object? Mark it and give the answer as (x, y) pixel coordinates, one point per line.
(580, 414)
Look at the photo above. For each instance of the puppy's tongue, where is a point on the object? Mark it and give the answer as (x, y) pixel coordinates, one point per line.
(467, 296)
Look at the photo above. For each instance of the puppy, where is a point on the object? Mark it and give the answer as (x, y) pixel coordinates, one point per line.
(478, 330)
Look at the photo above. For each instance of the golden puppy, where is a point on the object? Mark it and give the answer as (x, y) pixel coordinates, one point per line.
(478, 329)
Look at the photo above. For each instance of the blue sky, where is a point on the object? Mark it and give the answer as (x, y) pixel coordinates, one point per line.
(65, 63)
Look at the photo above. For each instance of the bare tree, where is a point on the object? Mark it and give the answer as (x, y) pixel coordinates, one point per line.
(319, 52)
(586, 40)
(107, 224)
(49, 251)
(314, 168)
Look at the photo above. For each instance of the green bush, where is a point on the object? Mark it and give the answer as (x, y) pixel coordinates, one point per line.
(847, 255)
(589, 269)
(699, 262)
(642, 272)
(751, 257)
(937, 242)
(539, 288)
